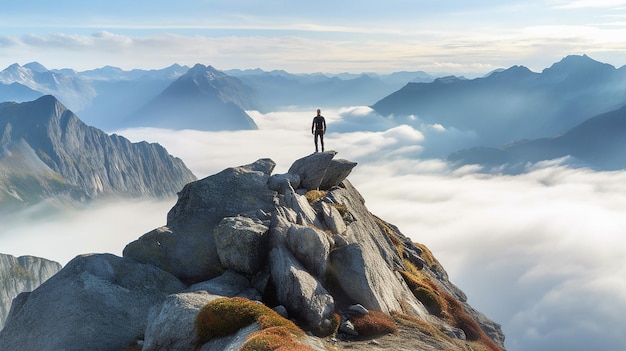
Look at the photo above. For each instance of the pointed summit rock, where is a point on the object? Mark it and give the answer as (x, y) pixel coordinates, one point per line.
(203, 98)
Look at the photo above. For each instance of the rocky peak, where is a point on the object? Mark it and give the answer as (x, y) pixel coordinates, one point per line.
(302, 243)
(85, 157)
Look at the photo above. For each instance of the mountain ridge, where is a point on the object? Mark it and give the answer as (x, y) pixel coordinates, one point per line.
(515, 103)
(84, 158)
(597, 143)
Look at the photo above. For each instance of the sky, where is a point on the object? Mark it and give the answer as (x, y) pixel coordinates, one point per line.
(458, 37)
(542, 253)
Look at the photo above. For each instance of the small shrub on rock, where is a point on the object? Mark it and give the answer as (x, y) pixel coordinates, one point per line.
(373, 324)
(274, 338)
(225, 316)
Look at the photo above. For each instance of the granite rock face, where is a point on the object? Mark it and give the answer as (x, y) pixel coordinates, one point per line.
(61, 155)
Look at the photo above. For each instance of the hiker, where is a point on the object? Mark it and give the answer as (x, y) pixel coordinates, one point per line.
(318, 128)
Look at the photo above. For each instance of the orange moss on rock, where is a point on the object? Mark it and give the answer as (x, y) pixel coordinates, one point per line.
(373, 324)
(225, 316)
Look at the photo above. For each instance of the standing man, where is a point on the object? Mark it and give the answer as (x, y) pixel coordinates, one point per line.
(318, 128)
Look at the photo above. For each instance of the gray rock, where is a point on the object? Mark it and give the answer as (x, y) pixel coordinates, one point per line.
(365, 267)
(241, 244)
(186, 251)
(311, 169)
(232, 342)
(229, 284)
(347, 327)
(186, 248)
(280, 182)
(310, 246)
(333, 219)
(97, 302)
(337, 172)
(358, 308)
(171, 325)
(21, 274)
(305, 214)
(282, 311)
(303, 295)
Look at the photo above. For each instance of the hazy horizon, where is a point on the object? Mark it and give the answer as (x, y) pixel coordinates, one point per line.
(465, 38)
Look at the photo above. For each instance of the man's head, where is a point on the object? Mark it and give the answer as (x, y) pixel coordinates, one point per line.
(319, 111)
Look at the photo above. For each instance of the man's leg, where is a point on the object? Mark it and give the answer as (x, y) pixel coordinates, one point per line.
(315, 139)
(322, 140)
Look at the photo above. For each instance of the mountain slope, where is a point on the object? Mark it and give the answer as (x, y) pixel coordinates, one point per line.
(203, 98)
(244, 237)
(598, 142)
(515, 103)
(62, 154)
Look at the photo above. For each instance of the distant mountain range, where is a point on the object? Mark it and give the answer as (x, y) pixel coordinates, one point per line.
(512, 104)
(47, 152)
(598, 142)
(279, 89)
(182, 97)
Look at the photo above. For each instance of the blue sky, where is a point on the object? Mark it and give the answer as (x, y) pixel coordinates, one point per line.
(458, 37)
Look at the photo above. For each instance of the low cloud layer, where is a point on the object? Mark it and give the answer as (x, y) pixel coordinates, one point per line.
(542, 252)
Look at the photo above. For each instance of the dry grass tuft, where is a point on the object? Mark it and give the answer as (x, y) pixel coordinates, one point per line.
(443, 305)
(314, 196)
(373, 324)
(226, 316)
(274, 338)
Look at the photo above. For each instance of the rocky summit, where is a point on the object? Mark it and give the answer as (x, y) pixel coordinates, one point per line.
(249, 259)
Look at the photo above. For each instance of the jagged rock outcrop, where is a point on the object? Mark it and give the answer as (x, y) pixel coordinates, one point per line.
(312, 254)
(21, 274)
(63, 155)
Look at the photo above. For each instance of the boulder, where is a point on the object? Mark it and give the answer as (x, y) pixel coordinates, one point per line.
(311, 169)
(231, 342)
(186, 252)
(332, 218)
(300, 205)
(171, 325)
(241, 244)
(337, 171)
(311, 247)
(280, 182)
(187, 247)
(302, 294)
(229, 284)
(97, 302)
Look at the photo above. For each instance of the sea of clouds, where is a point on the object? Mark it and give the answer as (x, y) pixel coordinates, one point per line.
(543, 252)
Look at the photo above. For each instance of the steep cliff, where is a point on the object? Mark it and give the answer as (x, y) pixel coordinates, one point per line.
(21, 274)
(47, 151)
(302, 243)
